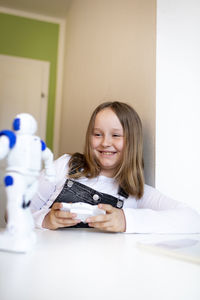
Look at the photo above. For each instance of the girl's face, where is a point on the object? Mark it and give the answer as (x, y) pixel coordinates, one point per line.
(107, 141)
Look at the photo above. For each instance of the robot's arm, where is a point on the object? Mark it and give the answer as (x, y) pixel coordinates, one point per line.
(4, 146)
(7, 142)
(47, 157)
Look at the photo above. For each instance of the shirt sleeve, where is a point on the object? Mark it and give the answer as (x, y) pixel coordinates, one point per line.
(47, 191)
(156, 213)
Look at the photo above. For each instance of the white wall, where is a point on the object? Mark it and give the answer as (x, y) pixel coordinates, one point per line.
(178, 100)
(110, 55)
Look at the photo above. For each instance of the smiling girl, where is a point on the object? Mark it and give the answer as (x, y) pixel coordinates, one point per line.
(110, 173)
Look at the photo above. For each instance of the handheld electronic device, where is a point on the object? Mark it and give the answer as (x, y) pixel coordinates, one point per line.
(83, 210)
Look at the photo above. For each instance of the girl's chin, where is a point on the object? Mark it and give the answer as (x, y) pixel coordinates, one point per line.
(107, 162)
(107, 166)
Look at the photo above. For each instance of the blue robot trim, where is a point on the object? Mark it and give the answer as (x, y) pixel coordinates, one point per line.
(8, 180)
(43, 145)
(11, 136)
(16, 124)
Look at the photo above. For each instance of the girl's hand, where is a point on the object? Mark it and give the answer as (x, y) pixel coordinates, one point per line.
(113, 221)
(57, 218)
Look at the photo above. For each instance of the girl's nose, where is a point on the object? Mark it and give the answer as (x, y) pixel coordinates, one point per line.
(107, 141)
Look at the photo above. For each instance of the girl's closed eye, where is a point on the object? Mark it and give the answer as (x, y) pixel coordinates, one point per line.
(117, 135)
(97, 134)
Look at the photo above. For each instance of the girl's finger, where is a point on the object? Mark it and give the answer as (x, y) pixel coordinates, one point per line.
(107, 207)
(57, 205)
(67, 222)
(64, 214)
(100, 225)
(100, 218)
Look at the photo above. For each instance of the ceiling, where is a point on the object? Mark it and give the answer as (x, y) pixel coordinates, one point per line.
(53, 8)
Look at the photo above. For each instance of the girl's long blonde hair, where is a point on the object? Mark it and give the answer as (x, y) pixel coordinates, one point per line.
(130, 174)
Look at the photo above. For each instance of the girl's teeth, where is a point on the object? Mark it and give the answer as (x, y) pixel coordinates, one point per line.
(107, 153)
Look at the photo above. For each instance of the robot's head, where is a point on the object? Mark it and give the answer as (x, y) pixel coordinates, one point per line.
(24, 124)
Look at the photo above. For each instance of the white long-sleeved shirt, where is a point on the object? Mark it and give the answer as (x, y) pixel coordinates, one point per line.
(153, 213)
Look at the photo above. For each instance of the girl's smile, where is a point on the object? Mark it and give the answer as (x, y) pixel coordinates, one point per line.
(107, 141)
(107, 153)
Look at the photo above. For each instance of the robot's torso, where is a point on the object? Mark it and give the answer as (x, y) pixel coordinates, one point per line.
(25, 156)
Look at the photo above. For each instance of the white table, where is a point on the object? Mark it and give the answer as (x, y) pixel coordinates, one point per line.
(85, 264)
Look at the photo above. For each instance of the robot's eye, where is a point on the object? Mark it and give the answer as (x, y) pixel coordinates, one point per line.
(16, 124)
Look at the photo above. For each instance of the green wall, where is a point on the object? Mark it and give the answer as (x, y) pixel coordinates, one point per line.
(34, 39)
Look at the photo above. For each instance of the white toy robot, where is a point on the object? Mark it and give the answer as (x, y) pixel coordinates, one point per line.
(24, 153)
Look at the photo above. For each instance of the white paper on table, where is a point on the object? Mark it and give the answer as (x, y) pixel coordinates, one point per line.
(186, 249)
